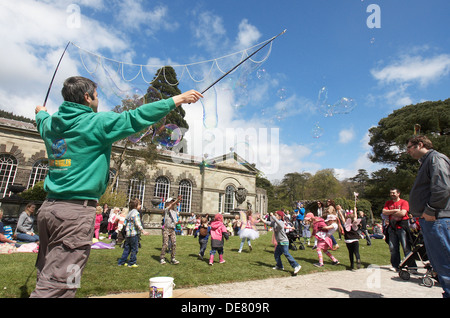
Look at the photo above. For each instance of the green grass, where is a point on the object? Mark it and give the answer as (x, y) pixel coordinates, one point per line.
(102, 276)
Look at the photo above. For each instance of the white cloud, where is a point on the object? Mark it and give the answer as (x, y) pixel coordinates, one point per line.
(346, 135)
(247, 36)
(209, 31)
(34, 35)
(418, 69)
(415, 69)
(133, 15)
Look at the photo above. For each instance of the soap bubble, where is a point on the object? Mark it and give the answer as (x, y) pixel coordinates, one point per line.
(134, 97)
(317, 131)
(261, 73)
(323, 96)
(344, 106)
(241, 97)
(209, 103)
(153, 95)
(168, 135)
(282, 93)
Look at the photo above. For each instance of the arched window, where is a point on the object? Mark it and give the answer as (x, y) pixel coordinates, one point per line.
(185, 190)
(229, 199)
(162, 187)
(38, 173)
(8, 168)
(136, 188)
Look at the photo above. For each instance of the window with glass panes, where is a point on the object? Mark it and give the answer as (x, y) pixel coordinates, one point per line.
(136, 188)
(185, 190)
(162, 187)
(8, 168)
(229, 199)
(38, 173)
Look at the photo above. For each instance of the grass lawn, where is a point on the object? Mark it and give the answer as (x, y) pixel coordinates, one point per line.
(102, 276)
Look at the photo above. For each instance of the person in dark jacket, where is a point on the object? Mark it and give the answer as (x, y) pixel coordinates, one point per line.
(429, 200)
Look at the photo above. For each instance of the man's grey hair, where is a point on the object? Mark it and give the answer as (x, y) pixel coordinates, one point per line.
(75, 87)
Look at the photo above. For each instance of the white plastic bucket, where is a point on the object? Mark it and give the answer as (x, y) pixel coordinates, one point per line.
(161, 287)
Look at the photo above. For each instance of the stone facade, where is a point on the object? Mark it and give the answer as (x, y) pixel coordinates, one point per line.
(22, 142)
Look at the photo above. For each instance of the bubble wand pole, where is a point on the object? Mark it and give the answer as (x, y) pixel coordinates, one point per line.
(54, 74)
(235, 67)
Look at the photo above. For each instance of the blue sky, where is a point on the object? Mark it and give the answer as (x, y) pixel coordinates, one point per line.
(384, 58)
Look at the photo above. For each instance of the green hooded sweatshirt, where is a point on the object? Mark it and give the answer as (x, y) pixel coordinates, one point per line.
(78, 143)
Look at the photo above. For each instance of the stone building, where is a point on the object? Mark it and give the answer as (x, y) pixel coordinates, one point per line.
(205, 188)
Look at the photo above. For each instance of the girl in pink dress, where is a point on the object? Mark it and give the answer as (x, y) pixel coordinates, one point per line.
(98, 220)
(324, 242)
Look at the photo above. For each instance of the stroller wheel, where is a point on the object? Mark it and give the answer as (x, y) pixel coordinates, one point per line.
(294, 247)
(428, 281)
(404, 275)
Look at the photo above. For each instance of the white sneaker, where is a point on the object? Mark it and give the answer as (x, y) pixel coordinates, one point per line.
(279, 268)
(297, 269)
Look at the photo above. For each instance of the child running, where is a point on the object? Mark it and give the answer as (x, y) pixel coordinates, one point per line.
(203, 235)
(248, 230)
(282, 247)
(218, 233)
(324, 242)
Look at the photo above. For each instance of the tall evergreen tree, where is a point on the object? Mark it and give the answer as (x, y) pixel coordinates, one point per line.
(166, 83)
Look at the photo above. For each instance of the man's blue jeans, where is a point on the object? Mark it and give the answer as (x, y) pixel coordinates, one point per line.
(284, 249)
(436, 236)
(399, 237)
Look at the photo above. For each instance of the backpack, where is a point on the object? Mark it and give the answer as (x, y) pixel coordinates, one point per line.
(203, 231)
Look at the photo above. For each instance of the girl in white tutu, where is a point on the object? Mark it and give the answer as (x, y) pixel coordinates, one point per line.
(248, 228)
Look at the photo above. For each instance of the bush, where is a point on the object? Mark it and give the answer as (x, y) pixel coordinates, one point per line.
(35, 193)
(111, 198)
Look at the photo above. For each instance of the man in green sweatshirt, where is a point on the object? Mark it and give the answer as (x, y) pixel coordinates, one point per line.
(78, 140)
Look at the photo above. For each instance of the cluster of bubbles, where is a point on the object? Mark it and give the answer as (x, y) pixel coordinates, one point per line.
(344, 105)
(317, 131)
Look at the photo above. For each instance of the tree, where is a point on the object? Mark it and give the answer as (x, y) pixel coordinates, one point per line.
(293, 186)
(166, 83)
(361, 180)
(389, 138)
(323, 184)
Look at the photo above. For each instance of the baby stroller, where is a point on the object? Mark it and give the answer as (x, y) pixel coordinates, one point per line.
(293, 235)
(418, 253)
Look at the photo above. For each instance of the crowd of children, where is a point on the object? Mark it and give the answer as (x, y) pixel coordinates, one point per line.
(124, 226)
